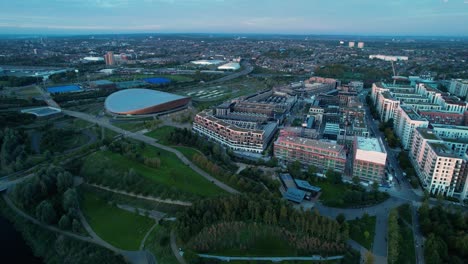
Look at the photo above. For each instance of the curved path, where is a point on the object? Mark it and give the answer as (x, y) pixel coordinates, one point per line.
(150, 141)
(135, 257)
(143, 241)
(175, 249)
(381, 211)
(272, 259)
(48, 227)
(150, 198)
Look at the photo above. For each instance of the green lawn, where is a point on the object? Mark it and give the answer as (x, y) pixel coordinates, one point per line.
(187, 151)
(130, 126)
(331, 192)
(118, 227)
(358, 229)
(161, 134)
(171, 173)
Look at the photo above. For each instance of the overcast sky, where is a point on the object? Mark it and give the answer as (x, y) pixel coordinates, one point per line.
(364, 17)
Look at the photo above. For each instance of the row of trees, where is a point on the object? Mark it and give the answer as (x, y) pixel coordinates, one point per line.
(259, 209)
(13, 119)
(14, 81)
(400, 236)
(213, 151)
(387, 129)
(64, 97)
(408, 168)
(50, 195)
(446, 235)
(249, 238)
(14, 150)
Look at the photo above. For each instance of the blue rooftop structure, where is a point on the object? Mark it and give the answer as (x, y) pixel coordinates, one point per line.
(64, 89)
(305, 185)
(287, 181)
(157, 80)
(294, 195)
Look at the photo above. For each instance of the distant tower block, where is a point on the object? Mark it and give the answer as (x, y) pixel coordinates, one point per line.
(109, 58)
(360, 45)
(351, 44)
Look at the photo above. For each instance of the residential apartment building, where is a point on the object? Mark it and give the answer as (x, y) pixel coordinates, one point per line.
(440, 169)
(443, 117)
(369, 159)
(319, 153)
(387, 106)
(233, 133)
(451, 132)
(459, 87)
(405, 122)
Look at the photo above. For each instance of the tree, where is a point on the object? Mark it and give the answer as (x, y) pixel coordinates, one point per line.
(356, 180)
(45, 212)
(64, 181)
(70, 199)
(64, 222)
(311, 171)
(340, 218)
(375, 186)
(333, 176)
(294, 169)
(76, 226)
(369, 258)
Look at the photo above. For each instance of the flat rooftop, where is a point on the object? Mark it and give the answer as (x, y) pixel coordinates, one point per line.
(427, 133)
(442, 126)
(369, 144)
(409, 110)
(306, 185)
(294, 195)
(442, 150)
(313, 143)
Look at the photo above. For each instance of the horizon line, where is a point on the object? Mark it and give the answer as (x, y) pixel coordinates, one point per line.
(238, 34)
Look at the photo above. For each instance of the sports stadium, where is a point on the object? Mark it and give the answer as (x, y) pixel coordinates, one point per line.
(144, 102)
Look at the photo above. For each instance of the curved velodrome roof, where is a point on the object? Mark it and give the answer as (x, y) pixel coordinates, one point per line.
(141, 101)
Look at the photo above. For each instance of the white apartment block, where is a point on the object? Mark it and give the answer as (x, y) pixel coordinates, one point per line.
(387, 106)
(405, 122)
(440, 169)
(459, 87)
(451, 132)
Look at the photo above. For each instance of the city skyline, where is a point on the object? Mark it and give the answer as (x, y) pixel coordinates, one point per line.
(355, 17)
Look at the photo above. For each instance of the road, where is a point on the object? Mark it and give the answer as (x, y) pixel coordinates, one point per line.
(248, 68)
(418, 238)
(272, 259)
(150, 141)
